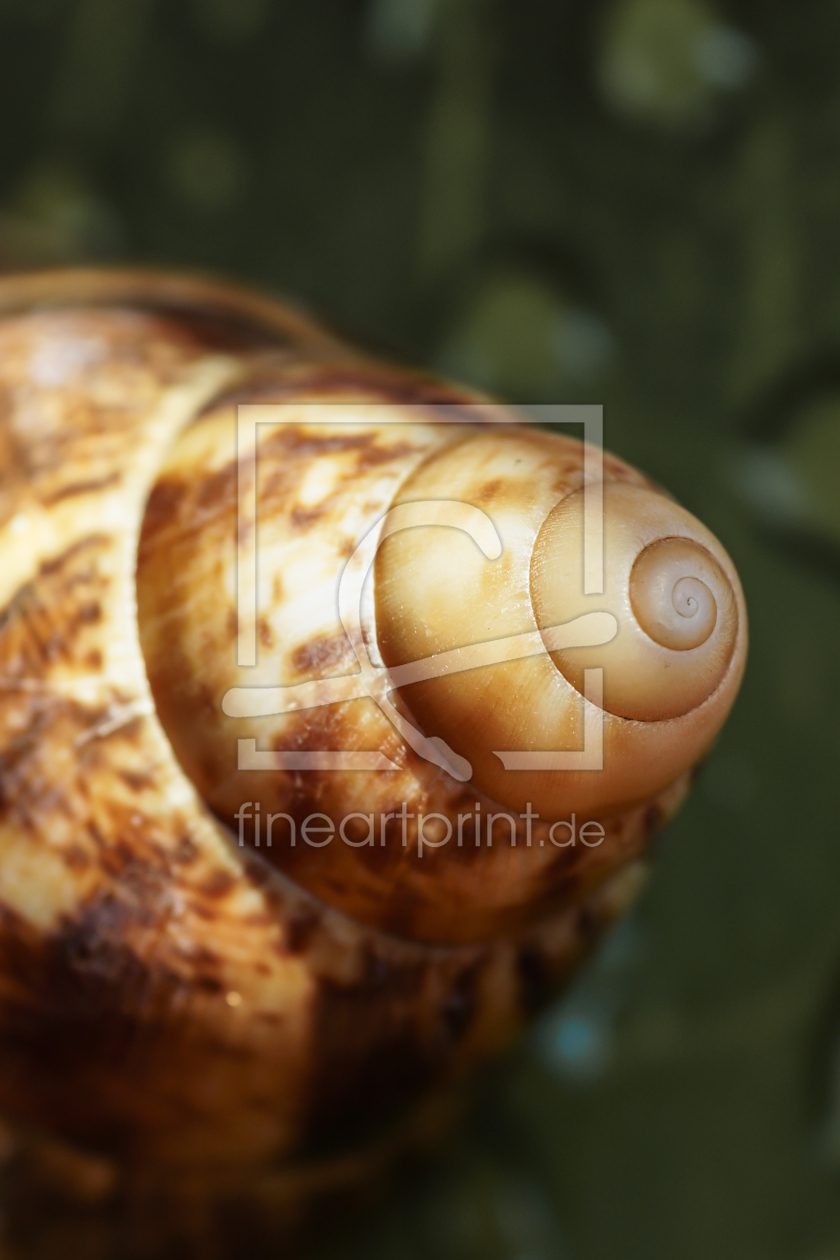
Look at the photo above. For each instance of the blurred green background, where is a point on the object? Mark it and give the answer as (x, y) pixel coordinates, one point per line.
(635, 203)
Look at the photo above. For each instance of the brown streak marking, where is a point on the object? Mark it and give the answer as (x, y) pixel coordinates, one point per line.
(53, 565)
(359, 1088)
(218, 885)
(186, 852)
(319, 653)
(163, 504)
(356, 380)
(79, 488)
(218, 487)
(207, 913)
(75, 858)
(489, 491)
(131, 731)
(82, 1002)
(305, 518)
(201, 956)
(137, 780)
(209, 328)
(292, 440)
(208, 984)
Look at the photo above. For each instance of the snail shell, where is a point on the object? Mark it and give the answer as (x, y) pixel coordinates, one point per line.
(172, 999)
(671, 667)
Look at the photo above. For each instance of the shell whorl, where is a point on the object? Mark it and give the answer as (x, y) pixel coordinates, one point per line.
(672, 589)
(439, 590)
(662, 705)
(674, 606)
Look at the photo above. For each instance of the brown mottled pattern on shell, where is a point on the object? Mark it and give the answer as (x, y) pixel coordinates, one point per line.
(455, 894)
(163, 996)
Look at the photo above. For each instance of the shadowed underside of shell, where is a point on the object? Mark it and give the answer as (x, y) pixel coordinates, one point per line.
(169, 997)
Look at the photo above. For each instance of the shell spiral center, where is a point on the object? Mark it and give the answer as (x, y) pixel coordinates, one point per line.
(674, 606)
